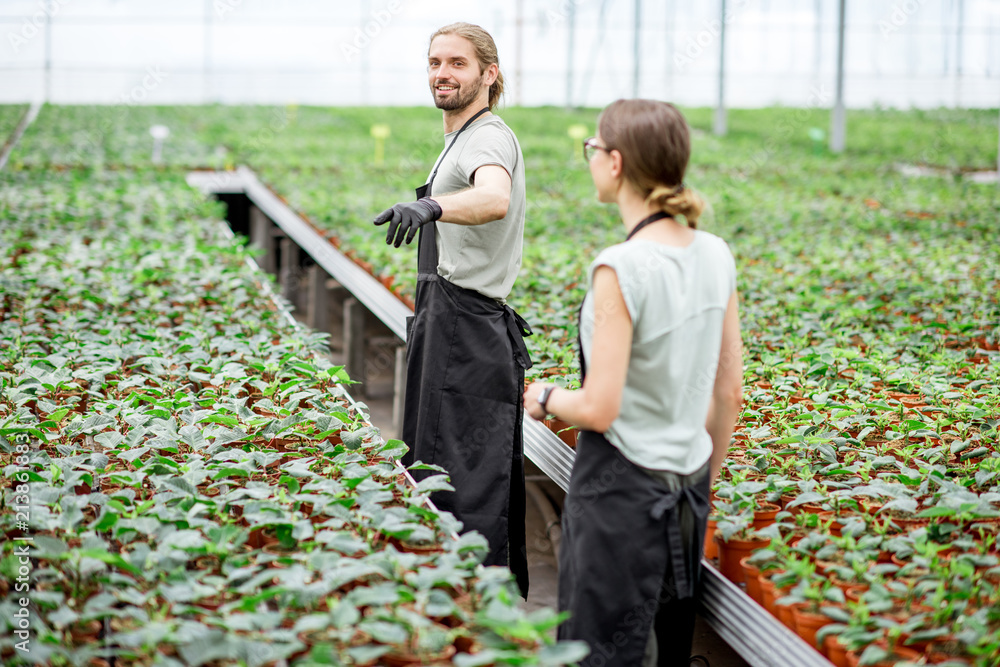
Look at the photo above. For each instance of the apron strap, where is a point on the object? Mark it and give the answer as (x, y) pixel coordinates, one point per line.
(645, 222)
(668, 505)
(427, 254)
(517, 328)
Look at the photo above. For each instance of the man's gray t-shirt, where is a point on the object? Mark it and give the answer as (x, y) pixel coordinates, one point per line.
(484, 258)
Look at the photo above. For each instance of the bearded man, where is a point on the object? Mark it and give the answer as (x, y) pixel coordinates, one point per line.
(465, 356)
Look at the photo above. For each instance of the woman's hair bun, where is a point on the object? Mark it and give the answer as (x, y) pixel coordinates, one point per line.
(678, 200)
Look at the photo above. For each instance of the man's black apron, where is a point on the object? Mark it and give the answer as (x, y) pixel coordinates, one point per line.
(465, 363)
(631, 545)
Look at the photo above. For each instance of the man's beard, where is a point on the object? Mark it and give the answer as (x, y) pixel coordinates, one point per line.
(461, 99)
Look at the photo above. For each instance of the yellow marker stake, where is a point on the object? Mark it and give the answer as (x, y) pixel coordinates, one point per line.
(380, 132)
(577, 133)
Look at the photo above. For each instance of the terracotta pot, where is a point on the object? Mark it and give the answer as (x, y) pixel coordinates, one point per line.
(86, 632)
(466, 644)
(785, 611)
(751, 576)
(854, 592)
(406, 659)
(908, 524)
(938, 652)
(711, 550)
(260, 537)
(806, 507)
(835, 651)
(765, 515)
(807, 623)
(731, 552)
(415, 548)
(566, 431)
(900, 653)
(766, 593)
(769, 593)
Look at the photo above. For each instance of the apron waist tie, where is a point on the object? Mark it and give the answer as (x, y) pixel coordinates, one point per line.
(668, 503)
(517, 328)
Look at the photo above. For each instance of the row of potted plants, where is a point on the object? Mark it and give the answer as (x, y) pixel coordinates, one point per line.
(914, 562)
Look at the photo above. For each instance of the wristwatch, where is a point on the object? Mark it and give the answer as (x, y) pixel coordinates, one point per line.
(543, 398)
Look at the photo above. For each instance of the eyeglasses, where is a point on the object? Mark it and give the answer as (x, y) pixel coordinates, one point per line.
(590, 147)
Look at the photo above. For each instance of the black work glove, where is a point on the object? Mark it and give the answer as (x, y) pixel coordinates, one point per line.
(406, 218)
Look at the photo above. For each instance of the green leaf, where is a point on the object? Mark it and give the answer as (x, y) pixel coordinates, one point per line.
(975, 453)
(107, 519)
(352, 440)
(420, 465)
(111, 559)
(110, 439)
(386, 633)
(563, 653)
(291, 483)
(363, 655)
(224, 420)
(434, 483)
(932, 512)
(230, 472)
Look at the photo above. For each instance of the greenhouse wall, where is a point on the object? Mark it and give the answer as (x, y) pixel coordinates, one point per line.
(899, 53)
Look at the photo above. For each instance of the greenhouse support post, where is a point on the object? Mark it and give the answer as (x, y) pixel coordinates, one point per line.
(571, 19)
(720, 110)
(959, 29)
(48, 52)
(519, 55)
(818, 52)
(838, 123)
(637, 46)
(206, 64)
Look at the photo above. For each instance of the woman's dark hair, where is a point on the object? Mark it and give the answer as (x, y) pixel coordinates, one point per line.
(655, 143)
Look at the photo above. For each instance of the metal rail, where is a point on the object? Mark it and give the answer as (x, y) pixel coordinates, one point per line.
(27, 119)
(750, 630)
(759, 638)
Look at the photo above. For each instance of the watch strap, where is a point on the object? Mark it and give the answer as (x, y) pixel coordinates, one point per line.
(543, 398)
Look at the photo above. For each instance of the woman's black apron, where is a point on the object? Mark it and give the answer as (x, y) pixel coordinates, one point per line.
(631, 550)
(465, 363)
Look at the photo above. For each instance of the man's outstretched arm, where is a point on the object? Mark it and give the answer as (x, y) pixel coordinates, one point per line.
(487, 200)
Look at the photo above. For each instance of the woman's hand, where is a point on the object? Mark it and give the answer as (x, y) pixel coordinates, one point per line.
(531, 405)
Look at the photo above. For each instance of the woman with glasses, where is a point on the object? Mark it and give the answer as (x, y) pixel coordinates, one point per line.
(661, 360)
